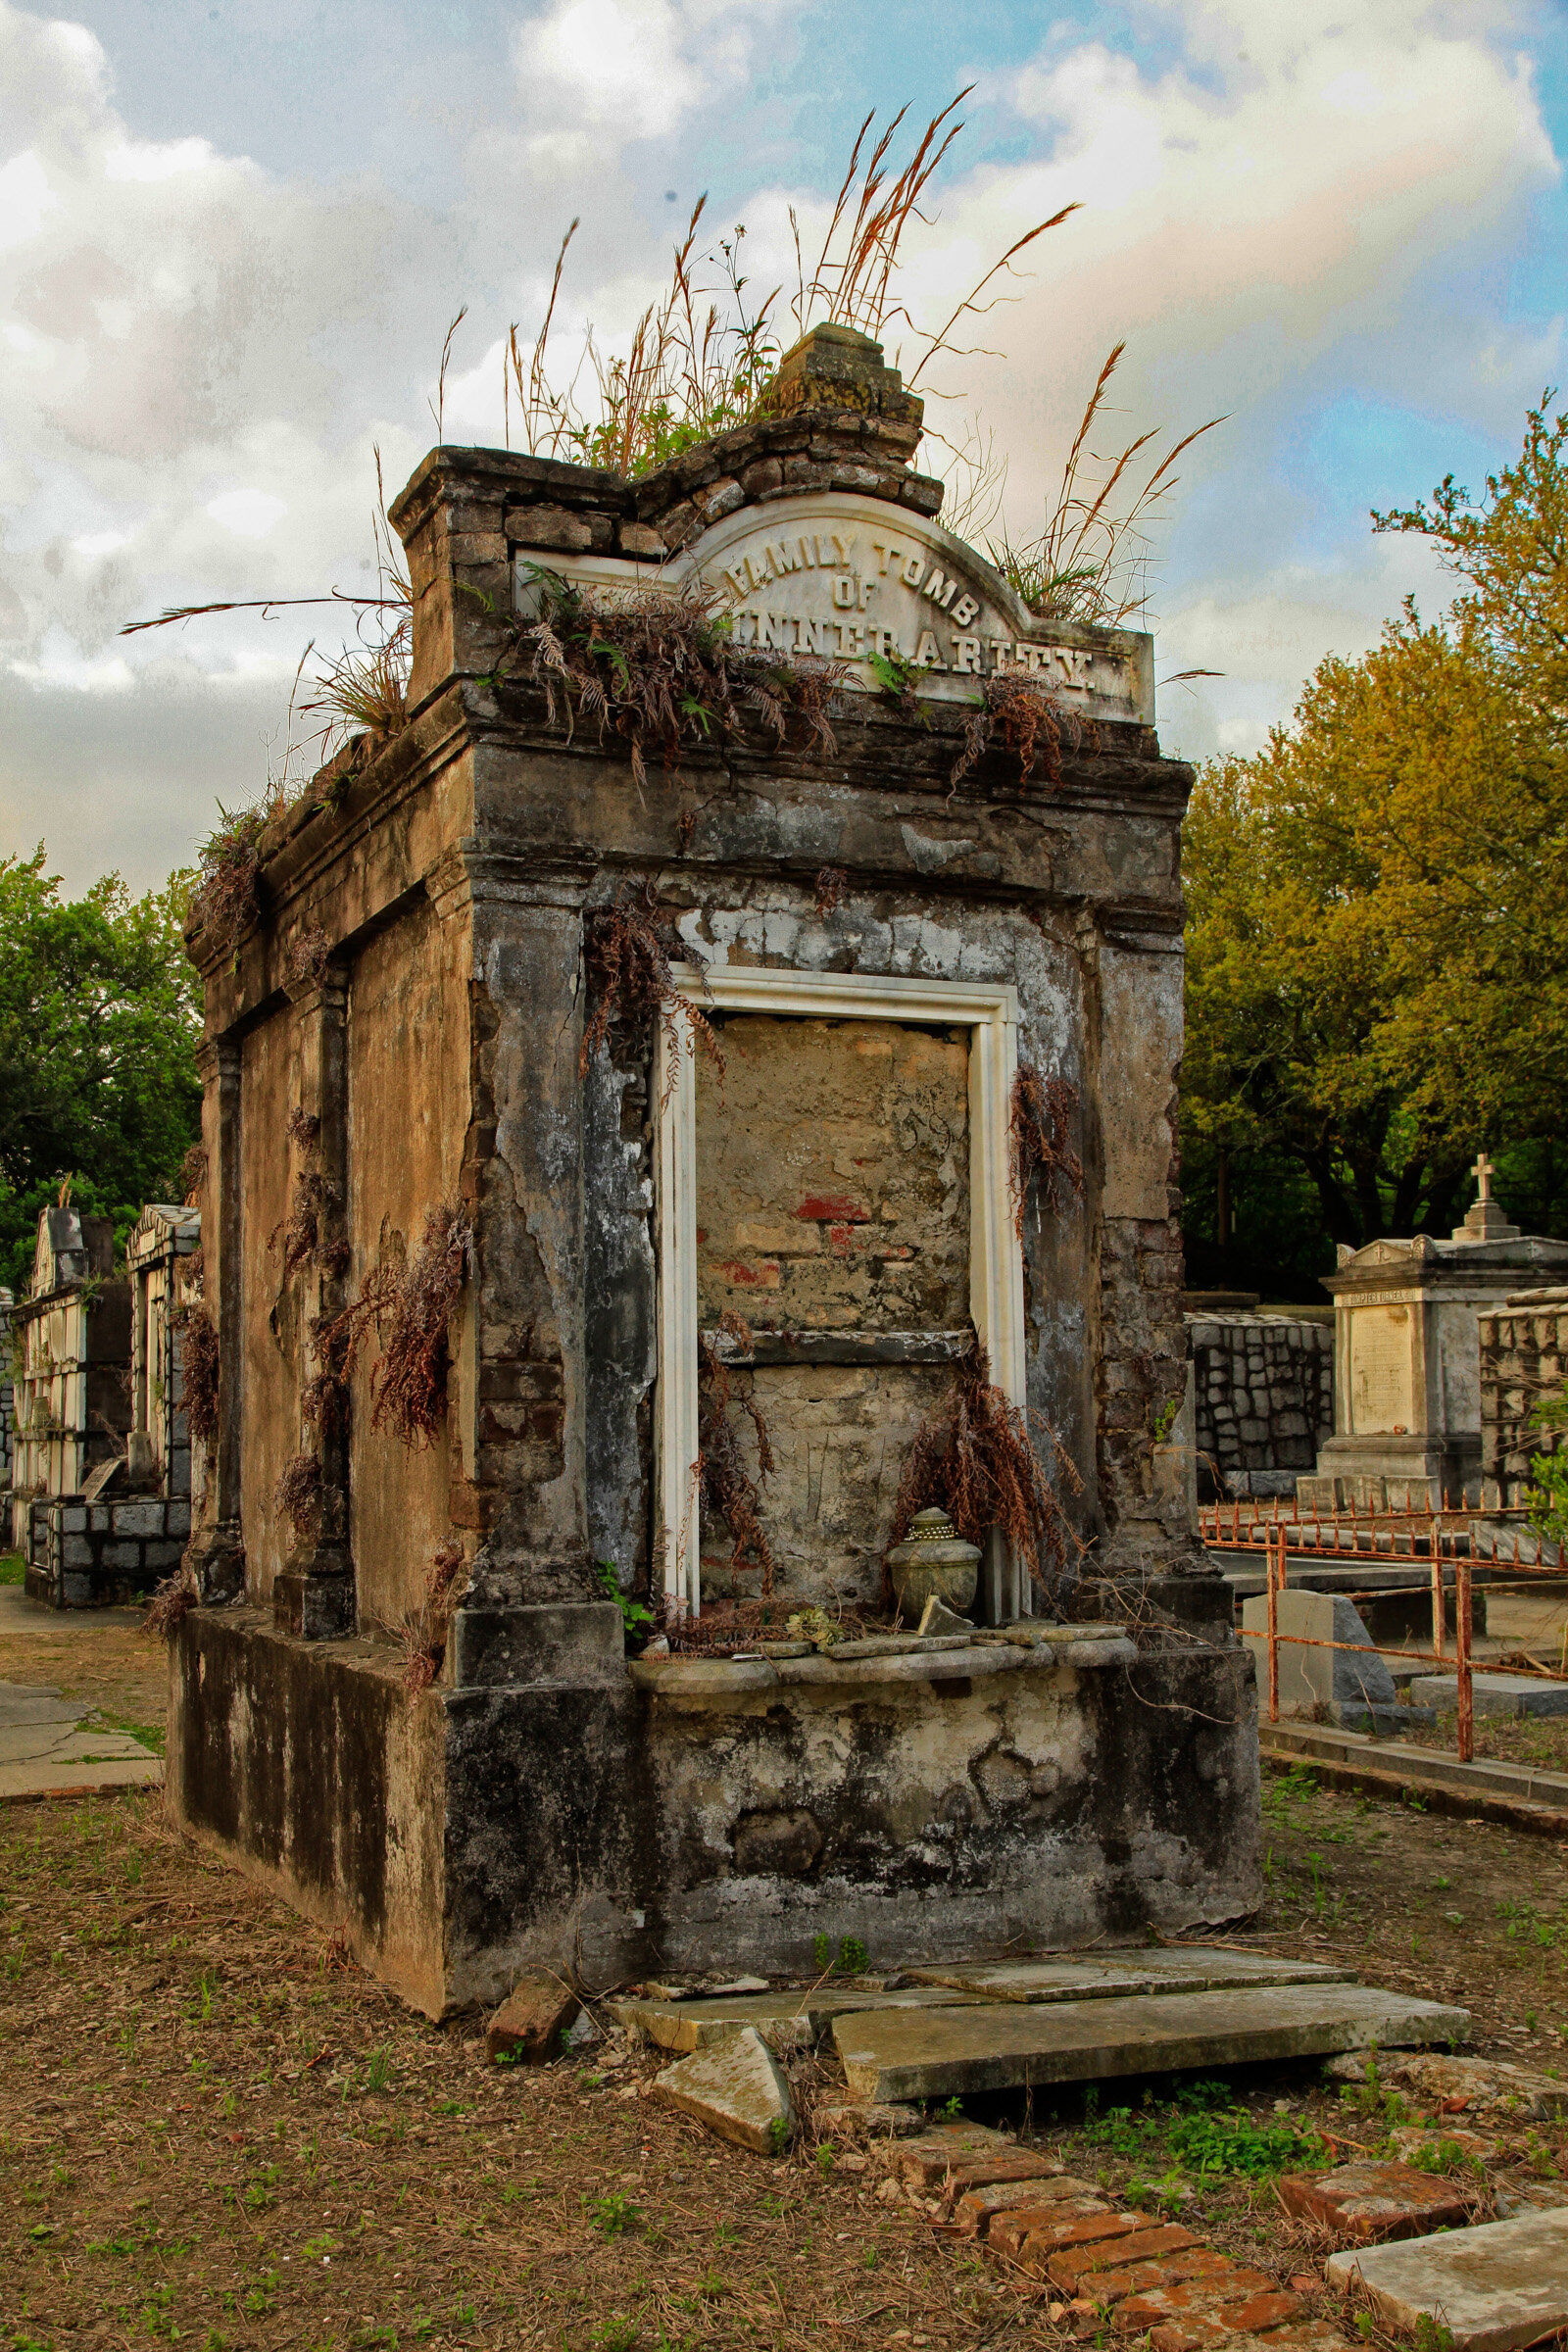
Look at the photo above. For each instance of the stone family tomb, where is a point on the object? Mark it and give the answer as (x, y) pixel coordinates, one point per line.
(503, 1253)
(1407, 1381)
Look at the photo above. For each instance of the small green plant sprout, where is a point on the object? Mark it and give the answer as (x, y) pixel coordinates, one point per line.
(1431, 2335)
(613, 2216)
(778, 2133)
(953, 2112)
(617, 2333)
(896, 679)
(637, 1618)
(378, 2072)
(851, 1959)
(827, 2156)
(1166, 1419)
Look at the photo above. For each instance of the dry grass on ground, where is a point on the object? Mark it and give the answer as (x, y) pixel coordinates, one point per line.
(216, 2132)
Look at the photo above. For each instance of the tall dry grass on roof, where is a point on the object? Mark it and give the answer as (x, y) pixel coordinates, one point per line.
(703, 355)
(1089, 564)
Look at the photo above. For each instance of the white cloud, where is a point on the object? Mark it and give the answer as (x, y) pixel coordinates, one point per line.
(1293, 205)
(248, 513)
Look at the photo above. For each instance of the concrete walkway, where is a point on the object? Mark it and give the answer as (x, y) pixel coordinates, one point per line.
(44, 1750)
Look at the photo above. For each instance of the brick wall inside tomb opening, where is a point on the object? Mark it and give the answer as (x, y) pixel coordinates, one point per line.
(832, 1198)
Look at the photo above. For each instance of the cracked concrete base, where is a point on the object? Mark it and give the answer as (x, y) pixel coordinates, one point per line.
(44, 1751)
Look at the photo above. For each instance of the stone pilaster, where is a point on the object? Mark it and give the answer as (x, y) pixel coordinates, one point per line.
(216, 1548)
(315, 1593)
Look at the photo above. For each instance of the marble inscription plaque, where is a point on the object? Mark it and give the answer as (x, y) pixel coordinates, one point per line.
(862, 582)
(1381, 1391)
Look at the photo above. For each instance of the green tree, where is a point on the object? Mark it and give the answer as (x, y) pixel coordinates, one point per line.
(1378, 903)
(100, 1014)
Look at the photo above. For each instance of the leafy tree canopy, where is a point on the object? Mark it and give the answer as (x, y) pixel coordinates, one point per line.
(1378, 901)
(100, 1014)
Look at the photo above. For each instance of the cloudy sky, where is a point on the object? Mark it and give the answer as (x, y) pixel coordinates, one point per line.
(231, 237)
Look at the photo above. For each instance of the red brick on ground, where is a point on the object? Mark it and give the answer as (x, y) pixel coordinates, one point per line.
(1009, 2231)
(926, 2162)
(1072, 2265)
(1371, 2202)
(977, 2207)
(1142, 2278)
(1193, 2300)
(1064, 2236)
(981, 2172)
(529, 2023)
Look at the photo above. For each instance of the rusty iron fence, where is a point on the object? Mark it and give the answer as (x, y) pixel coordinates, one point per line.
(1445, 1536)
(1351, 1533)
(1277, 1567)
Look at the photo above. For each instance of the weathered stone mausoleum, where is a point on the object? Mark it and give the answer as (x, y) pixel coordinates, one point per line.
(412, 1030)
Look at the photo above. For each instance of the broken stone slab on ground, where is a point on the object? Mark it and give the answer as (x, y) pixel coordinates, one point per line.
(737, 2089)
(942, 2053)
(1375, 2201)
(1467, 2086)
(1137, 1968)
(1495, 2287)
(791, 2020)
(528, 2027)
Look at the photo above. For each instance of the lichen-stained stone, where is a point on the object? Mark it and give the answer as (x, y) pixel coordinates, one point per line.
(1492, 2288)
(944, 2053)
(1374, 2201)
(1470, 2087)
(737, 2089)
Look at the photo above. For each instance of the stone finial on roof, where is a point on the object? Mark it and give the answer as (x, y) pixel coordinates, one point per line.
(837, 368)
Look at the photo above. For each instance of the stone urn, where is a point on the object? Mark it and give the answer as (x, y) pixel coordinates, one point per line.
(933, 1558)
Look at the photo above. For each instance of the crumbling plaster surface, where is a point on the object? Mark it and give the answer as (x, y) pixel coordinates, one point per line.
(839, 1435)
(927, 1819)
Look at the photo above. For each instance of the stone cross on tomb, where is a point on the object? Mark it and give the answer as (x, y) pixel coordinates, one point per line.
(1485, 1221)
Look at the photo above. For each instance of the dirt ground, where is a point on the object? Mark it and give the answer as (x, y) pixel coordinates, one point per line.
(216, 2130)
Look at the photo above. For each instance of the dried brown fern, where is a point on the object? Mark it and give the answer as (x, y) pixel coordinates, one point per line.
(304, 958)
(1029, 722)
(425, 1628)
(409, 1383)
(725, 1484)
(1039, 1123)
(297, 1494)
(629, 967)
(974, 1458)
(172, 1603)
(200, 1372)
(193, 1174)
(304, 1128)
(831, 882)
(226, 899)
(312, 1198)
(658, 668)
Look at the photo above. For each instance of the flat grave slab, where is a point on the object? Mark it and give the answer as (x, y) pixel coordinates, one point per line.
(1492, 1693)
(1099, 1976)
(801, 2017)
(950, 2052)
(1495, 2287)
